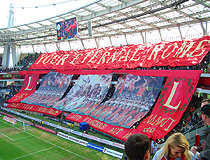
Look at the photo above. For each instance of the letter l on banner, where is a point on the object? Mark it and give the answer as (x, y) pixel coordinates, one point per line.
(170, 106)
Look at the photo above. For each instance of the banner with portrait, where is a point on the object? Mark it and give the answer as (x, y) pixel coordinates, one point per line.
(52, 88)
(133, 98)
(89, 90)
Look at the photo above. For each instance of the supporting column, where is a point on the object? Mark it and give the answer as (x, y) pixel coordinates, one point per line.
(82, 43)
(69, 45)
(180, 32)
(126, 39)
(161, 37)
(89, 28)
(15, 54)
(97, 44)
(143, 37)
(33, 48)
(110, 41)
(6, 56)
(58, 46)
(204, 28)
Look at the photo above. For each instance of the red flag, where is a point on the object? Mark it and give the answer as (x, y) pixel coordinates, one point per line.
(28, 88)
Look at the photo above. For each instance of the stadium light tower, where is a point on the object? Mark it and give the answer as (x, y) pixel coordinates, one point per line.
(11, 17)
(10, 47)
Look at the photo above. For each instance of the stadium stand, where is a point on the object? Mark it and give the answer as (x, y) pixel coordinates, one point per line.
(53, 98)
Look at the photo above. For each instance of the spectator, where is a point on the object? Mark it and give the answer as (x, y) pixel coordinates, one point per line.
(205, 153)
(176, 147)
(137, 147)
(154, 147)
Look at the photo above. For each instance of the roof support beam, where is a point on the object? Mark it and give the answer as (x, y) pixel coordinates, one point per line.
(69, 45)
(57, 46)
(180, 32)
(203, 3)
(143, 37)
(33, 48)
(82, 43)
(204, 28)
(112, 9)
(97, 44)
(110, 40)
(45, 47)
(179, 10)
(161, 37)
(126, 39)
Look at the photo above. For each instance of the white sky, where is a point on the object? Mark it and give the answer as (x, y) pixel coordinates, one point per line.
(31, 14)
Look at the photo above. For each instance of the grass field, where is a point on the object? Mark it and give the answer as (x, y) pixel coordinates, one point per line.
(35, 144)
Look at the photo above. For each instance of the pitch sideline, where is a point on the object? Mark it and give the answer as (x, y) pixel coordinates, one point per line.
(47, 142)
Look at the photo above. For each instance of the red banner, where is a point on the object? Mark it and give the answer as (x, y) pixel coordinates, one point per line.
(35, 108)
(169, 108)
(114, 131)
(177, 53)
(171, 104)
(34, 72)
(28, 88)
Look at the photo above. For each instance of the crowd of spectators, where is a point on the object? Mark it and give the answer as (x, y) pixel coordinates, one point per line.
(204, 66)
(3, 70)
(13, 91)
(22, 64)
(0, 61)
(29, 59)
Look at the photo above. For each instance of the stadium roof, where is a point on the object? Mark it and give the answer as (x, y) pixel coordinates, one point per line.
(118, 22)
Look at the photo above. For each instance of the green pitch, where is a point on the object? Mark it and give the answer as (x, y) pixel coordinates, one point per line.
(35, 144)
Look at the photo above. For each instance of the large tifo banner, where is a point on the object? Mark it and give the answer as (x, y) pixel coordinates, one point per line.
(28, 88)
(52, 88)
(88, 89)
(177, 53)
(133, 98)
(167, 112)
